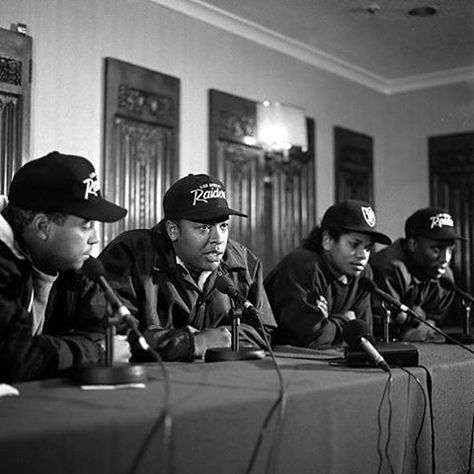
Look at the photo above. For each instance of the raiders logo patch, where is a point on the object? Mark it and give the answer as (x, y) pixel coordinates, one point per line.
(369, 215)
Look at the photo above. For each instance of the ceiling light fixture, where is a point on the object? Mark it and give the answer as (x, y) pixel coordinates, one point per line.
(423, 11)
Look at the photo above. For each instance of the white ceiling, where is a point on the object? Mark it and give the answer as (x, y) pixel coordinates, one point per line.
(386, 49)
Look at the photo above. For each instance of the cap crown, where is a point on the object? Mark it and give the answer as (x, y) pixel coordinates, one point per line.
(197, 198)
(62, 183)
(354, 216)
(433, 223)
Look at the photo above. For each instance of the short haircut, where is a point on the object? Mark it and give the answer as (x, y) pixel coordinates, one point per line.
(19, 218)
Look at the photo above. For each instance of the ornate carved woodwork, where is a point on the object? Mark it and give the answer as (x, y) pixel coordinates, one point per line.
(276, 191)
(141, 142)
(353, 165)
(15, 92)
(451, 161)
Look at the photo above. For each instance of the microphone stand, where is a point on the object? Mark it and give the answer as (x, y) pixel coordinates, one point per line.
(109, 373)
(225, 354)
(386, 321)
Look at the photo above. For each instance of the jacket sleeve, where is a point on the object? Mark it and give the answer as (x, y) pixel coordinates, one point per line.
(129, 273)
(27, 357)
(293, 293)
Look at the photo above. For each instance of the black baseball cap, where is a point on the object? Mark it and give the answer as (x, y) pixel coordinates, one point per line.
(354, 216)
(62, 183)
(199, 198)
(433, 223)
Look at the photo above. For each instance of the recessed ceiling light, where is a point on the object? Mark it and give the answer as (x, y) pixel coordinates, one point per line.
(423, 11)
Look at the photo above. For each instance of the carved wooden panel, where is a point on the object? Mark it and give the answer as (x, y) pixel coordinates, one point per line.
(15, 91)
(141, 142)
(277, 193)
(451, 159)
(353, 165)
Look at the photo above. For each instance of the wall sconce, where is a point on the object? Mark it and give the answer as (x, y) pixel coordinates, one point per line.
(281, 127)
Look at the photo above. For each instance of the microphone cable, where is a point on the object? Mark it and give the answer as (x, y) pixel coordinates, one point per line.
(165, 419)
(422, 422)
(280, 403)
(387, 391)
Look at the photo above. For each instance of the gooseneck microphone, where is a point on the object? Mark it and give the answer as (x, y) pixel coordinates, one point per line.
(449, 285)
(94, 270)
(110, 373)
(225, 285)
(356, 334)
(410, 318)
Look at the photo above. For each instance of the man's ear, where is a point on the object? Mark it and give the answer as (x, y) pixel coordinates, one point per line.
(326, 241)
(412, 243)
(41, 226)
(172, 230)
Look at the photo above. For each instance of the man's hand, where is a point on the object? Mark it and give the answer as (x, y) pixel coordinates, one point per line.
(209, 338)
(122, 351)
(322, 305)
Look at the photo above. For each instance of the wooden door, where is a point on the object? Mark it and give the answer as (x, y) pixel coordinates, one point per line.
(141, 139)
(277, 192)
(451, 162)
(15, 92)
(353, 165)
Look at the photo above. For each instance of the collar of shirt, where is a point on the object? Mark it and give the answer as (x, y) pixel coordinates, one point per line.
(203, 276)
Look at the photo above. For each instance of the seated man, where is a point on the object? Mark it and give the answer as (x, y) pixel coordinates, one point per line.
(46, 233)
(166, 275)
(410, 270)
(315, 290)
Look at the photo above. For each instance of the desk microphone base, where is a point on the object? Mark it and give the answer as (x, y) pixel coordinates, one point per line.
(109, 375)
(224, 354)
(401, 354)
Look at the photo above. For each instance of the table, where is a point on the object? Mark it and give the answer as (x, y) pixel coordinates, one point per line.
(331, 423)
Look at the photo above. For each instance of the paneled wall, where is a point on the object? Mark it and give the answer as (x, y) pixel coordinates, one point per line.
(71, 38)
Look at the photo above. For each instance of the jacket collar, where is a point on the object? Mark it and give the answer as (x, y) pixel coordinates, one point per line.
(6, 232)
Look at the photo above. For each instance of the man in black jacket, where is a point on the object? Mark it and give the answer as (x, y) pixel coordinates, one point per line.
(167, 275)
(47, 231)
(315, 290)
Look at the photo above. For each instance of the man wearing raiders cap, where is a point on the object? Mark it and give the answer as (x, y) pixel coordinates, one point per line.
(410, 270)
(47, 231)
(314, 290)
(166, 275)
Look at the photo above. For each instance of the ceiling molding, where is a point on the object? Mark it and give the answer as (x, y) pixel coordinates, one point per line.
(285, 45)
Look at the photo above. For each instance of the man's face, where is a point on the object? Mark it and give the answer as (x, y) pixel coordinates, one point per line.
(68, 245)
(431, 257)
(350, 253)
(200, 246)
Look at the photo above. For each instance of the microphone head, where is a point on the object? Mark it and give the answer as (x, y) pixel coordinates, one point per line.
(367, 284)
(447, 284)
(93, 268)
(223, 284)
(353, 330)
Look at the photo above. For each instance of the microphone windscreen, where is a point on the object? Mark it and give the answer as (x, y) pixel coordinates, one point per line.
(367, 284)
(223, 284)
(447, 284)
(93, 268)
(353, 330)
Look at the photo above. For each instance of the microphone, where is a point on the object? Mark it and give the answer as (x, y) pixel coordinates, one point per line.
(225, 285)
(449, 285)
(94, 270)
(357, 335)
(409, 318)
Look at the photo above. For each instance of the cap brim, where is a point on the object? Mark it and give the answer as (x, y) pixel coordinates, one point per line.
(377, 236)
(442, 238)
(207, 217)
(99, 210)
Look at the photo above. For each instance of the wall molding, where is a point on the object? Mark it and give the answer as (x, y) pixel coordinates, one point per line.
(276, 41)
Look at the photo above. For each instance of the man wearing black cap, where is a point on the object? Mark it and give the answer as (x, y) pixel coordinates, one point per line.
(410, 270)
(314, 290)
(47, 232)
(166, 275)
